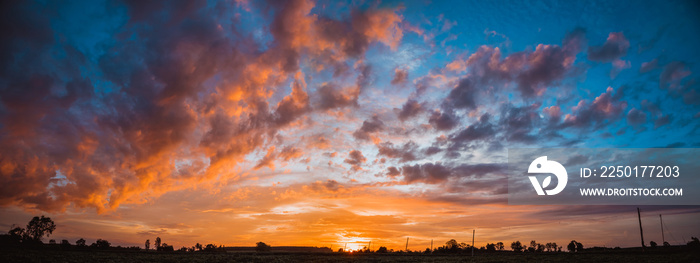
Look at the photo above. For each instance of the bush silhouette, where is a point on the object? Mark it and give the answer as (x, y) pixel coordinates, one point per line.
(262, 247)
(516, 246)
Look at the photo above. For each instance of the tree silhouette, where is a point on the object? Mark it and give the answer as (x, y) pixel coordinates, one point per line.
(694, 244)
(101, 244)
(80, 242)
(453, 246)
(198, 246)
(540, 247)
(166, 247)
(500, 246)
(157, 243)
(382, 250)
(490, 247)
(572, 246)
(210, 247)
(516, 246)
(148, 244)
(262, 247)
(40, 226)
(652, 244)
(575, 246)
(17, 234)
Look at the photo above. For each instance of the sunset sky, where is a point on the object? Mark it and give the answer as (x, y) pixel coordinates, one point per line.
(324, 123)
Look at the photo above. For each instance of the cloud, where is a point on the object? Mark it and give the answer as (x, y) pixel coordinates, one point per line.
(392, 171)
(405, 152)
(649, 66)
(614, 47)
(427, 173)
(355, 159)
(636, 117)
(298, 31)
(443, 121)
(674, 79)
(433, 173)
(164, 109)
(400, 76)
(294, 105)
(332, 97)
(369, 126)
(520, 123)
(532, 71)
(553, 113)
(463, 96)
(618, 66)
(604, 109)
(410, 109)
(576, 160)
(481, 130)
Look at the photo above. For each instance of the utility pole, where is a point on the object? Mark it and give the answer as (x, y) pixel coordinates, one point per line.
(641, 232)
(369, 246)
(663, 239)
(473, 233)
(346, 247)
(406, 244)
(431, 246)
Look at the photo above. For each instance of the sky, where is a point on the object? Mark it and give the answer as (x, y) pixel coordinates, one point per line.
(324, 123)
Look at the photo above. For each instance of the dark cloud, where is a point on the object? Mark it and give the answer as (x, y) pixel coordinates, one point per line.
(332, 97)
(481, 130)
(427, 173)
(405, 152)
(636, 117)
(370, 126)
(410, 109)
(576, 160)
(327, 186)
(329, 41)
(290, 152)
(478, 170)
(674, 79)
(356, 159)
(532, 71)
(433, 173)
(663, 120)
(602, 111)
(549, 64)
(400, 77)
(443, 121)
(649, 66)
(614, 47)
(657, 116)
(463, 96)
(520, 123)
(294, 105)
(393, 171)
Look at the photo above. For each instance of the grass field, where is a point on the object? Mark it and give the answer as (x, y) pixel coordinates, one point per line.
(142, 256)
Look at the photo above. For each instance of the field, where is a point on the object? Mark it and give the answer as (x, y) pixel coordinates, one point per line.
(141, 256)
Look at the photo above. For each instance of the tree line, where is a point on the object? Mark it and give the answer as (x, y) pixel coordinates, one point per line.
(38, 227)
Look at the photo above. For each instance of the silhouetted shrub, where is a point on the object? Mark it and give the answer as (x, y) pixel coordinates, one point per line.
(262, 247)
